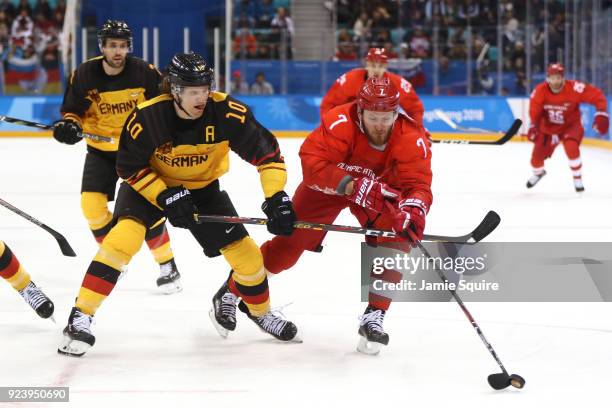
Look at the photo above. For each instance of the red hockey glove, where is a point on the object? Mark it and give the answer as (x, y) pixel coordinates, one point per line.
(601, 123)
(410, 215)
(533, 133)
(371, 194)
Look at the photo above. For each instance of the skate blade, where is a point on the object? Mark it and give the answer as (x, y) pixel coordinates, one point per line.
(223, 332)
(73, 348)
(171, 287)
(368, 347)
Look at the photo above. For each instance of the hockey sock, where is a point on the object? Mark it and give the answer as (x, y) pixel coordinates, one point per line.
(11, 270)
(572, 150)
(95, 210)
(120, 245)
(248, 280)
(158, 241)
(376, 299)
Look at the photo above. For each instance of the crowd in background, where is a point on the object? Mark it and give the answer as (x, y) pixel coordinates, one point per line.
(405, 28)
(262, 29)
(29, 37)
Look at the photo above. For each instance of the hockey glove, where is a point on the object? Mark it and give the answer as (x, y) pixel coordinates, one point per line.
(67, 131)
(601, 123)
(371, 194)
(410, 215)
(178, 206)
(279, 211)
(533, 133)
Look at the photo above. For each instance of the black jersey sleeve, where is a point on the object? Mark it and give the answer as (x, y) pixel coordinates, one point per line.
(75, 102)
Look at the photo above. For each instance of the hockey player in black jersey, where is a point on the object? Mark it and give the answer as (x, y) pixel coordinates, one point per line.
(100, 95)
(173, 150)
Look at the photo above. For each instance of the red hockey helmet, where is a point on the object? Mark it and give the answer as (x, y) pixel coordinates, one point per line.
(555, 69)
(377, 55)
(378, 94)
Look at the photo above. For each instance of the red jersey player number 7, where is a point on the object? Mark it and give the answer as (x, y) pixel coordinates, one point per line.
(554, 110)
(370, 158)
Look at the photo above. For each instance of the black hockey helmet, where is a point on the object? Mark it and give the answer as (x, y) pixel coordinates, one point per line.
(115, 29)
(189, 70)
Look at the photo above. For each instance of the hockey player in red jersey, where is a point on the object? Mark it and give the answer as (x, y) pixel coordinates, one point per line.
(346, 88)
(554, 110)
(373, 160)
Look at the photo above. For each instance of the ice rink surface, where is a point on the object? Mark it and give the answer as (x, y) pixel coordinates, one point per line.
(155, 350)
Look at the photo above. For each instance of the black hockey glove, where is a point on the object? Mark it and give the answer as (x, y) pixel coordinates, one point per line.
(67, 131)
(281, 216)
(178, 206)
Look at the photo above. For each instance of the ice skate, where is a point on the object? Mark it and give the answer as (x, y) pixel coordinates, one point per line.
(578, 185)
(34, 296)
(533, 180)
(169, 280)
(371, 331)
(223, 312)
(78, 337)
(275, 324)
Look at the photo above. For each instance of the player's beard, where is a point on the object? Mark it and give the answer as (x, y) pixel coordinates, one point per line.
(378, 139)
(116, 64)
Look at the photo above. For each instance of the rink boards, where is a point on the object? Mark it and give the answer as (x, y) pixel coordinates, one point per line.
(296, 115)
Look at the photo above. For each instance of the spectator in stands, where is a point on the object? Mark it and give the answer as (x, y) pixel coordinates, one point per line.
(24, 5)
(22, 30)
(8, 8)
(362, 27)
(282, 21)
(265, 14)
(60, 7)
(264, 52)
(261, 86)
(245, 21)
(381, 37)
(346, 48)
(4, 40)
(468, 12)
(448, 12)
(43, 7)
(518, 56)
(419, 44)
(239, 86)
(344, 11)
(245, 44)
(246, 7)
(282, 25)
(58, 21)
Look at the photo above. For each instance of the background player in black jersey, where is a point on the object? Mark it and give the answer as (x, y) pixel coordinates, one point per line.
(101, 94)
(173, 150)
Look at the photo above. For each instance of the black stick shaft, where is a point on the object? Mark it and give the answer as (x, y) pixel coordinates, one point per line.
(516, 125)
(28, 123)
(350, 229)
(465, 309)
(61, 240)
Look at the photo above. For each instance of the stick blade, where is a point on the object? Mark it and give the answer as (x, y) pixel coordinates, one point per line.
(486, 226)
(516, 125)
(64, 245)
(499, 381)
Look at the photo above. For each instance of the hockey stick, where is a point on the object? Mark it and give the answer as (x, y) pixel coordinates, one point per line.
(498, 381)
(84, 135)
(486, 226)
(61, 240)
(516, 125)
